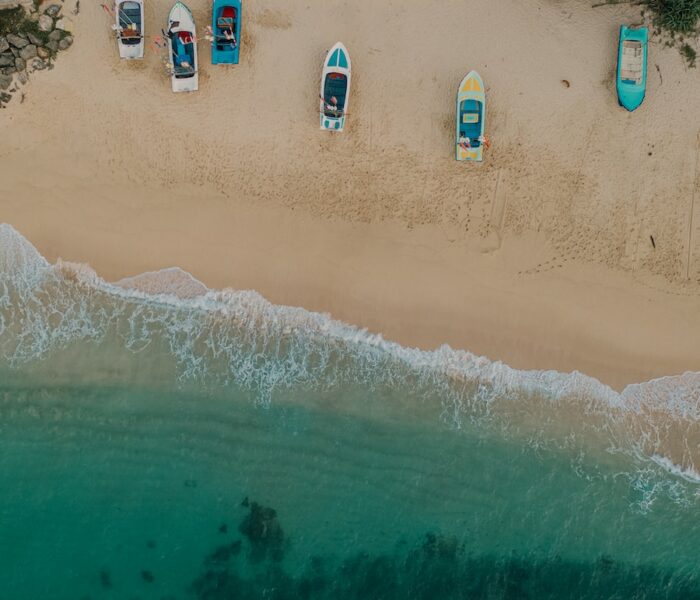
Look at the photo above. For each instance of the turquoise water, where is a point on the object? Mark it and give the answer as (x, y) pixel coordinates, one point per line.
(217, 446)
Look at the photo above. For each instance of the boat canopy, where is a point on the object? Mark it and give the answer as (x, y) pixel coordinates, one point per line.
(632, 62)
(470, 112)
(130, 22)
(336, 84)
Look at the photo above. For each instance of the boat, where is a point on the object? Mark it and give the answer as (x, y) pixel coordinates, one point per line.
(182, 49)
(226, 31)
(335, 88)
(632, 66)
(471, 116)
(129, 28)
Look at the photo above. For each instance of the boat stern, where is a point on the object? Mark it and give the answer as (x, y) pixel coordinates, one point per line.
(190, 84)
(131, 52)
(475, 154)
(332, 123)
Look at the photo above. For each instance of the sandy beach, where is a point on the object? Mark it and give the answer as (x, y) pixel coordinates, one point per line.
(541, 257)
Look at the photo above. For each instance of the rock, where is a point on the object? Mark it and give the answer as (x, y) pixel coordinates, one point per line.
(5, 81)
(64, 24)
(6, 60)
(20, 64)
(28, 52)
(38, 64)
(43, 52)
(65, 43)
(22, 77)
(55, 35)
(35, 39)
(5, 97)
(223, 554)
(8, 70)
(16, 41)
(46, 5)
(53, 10)
(53, 46)
(264, 533)
(4, 44)
(15, 52)
(22, 35)
(45, 23)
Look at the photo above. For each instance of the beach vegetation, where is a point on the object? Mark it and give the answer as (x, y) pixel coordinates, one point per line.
(689, 53)
(676, 16)
(11, 20)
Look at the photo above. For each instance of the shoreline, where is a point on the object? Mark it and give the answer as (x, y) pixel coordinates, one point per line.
(418, 289)
(539, 257)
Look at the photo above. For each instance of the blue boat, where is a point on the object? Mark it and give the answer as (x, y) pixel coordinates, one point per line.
(226, 31)
(632, 66)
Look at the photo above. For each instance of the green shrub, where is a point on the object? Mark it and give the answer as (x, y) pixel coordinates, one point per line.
(676, 16)
(11, 20)
(689, 54)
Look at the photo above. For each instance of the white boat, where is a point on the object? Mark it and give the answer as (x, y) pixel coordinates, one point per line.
(335, 88)
(182, 49)
(129, 28)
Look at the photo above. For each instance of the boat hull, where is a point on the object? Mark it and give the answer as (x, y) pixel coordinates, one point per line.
(130, 28)
(471, 117)
(631, 78)
(181, 23)
(335, 81)
(223, 52)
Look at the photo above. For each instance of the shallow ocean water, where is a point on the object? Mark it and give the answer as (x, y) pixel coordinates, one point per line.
(221, 447)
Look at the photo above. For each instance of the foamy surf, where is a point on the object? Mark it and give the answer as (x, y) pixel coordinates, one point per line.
(230, 337)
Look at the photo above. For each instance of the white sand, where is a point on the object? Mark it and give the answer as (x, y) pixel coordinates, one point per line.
(540, 257)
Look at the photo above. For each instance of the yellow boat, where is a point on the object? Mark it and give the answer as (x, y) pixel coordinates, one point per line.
(471, 116)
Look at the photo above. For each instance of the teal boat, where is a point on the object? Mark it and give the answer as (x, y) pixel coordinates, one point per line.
(632, 66)
(226, 29)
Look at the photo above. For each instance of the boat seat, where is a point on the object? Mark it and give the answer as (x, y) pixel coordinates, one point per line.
(470, 118)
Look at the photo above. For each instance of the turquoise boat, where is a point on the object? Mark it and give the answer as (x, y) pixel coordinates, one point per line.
(471, 118)
(226, 30)
(632, 66)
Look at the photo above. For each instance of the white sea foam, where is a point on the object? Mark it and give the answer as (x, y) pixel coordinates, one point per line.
(690, 475)
(231, 336)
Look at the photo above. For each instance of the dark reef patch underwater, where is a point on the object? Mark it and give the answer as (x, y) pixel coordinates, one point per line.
(210, 445)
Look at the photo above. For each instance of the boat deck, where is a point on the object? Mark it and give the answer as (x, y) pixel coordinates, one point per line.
(632, 62)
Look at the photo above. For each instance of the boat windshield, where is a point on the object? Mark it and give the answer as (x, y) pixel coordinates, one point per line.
(129, 23)
(336, 84)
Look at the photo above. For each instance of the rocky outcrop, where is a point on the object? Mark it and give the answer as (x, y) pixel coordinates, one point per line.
(33, 47)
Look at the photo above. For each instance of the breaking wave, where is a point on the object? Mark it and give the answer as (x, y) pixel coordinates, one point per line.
(231, 337)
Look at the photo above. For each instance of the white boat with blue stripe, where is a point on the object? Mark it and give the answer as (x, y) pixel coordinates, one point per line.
(335, 88)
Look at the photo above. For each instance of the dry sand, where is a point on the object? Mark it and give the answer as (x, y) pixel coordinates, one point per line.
(540, 257)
